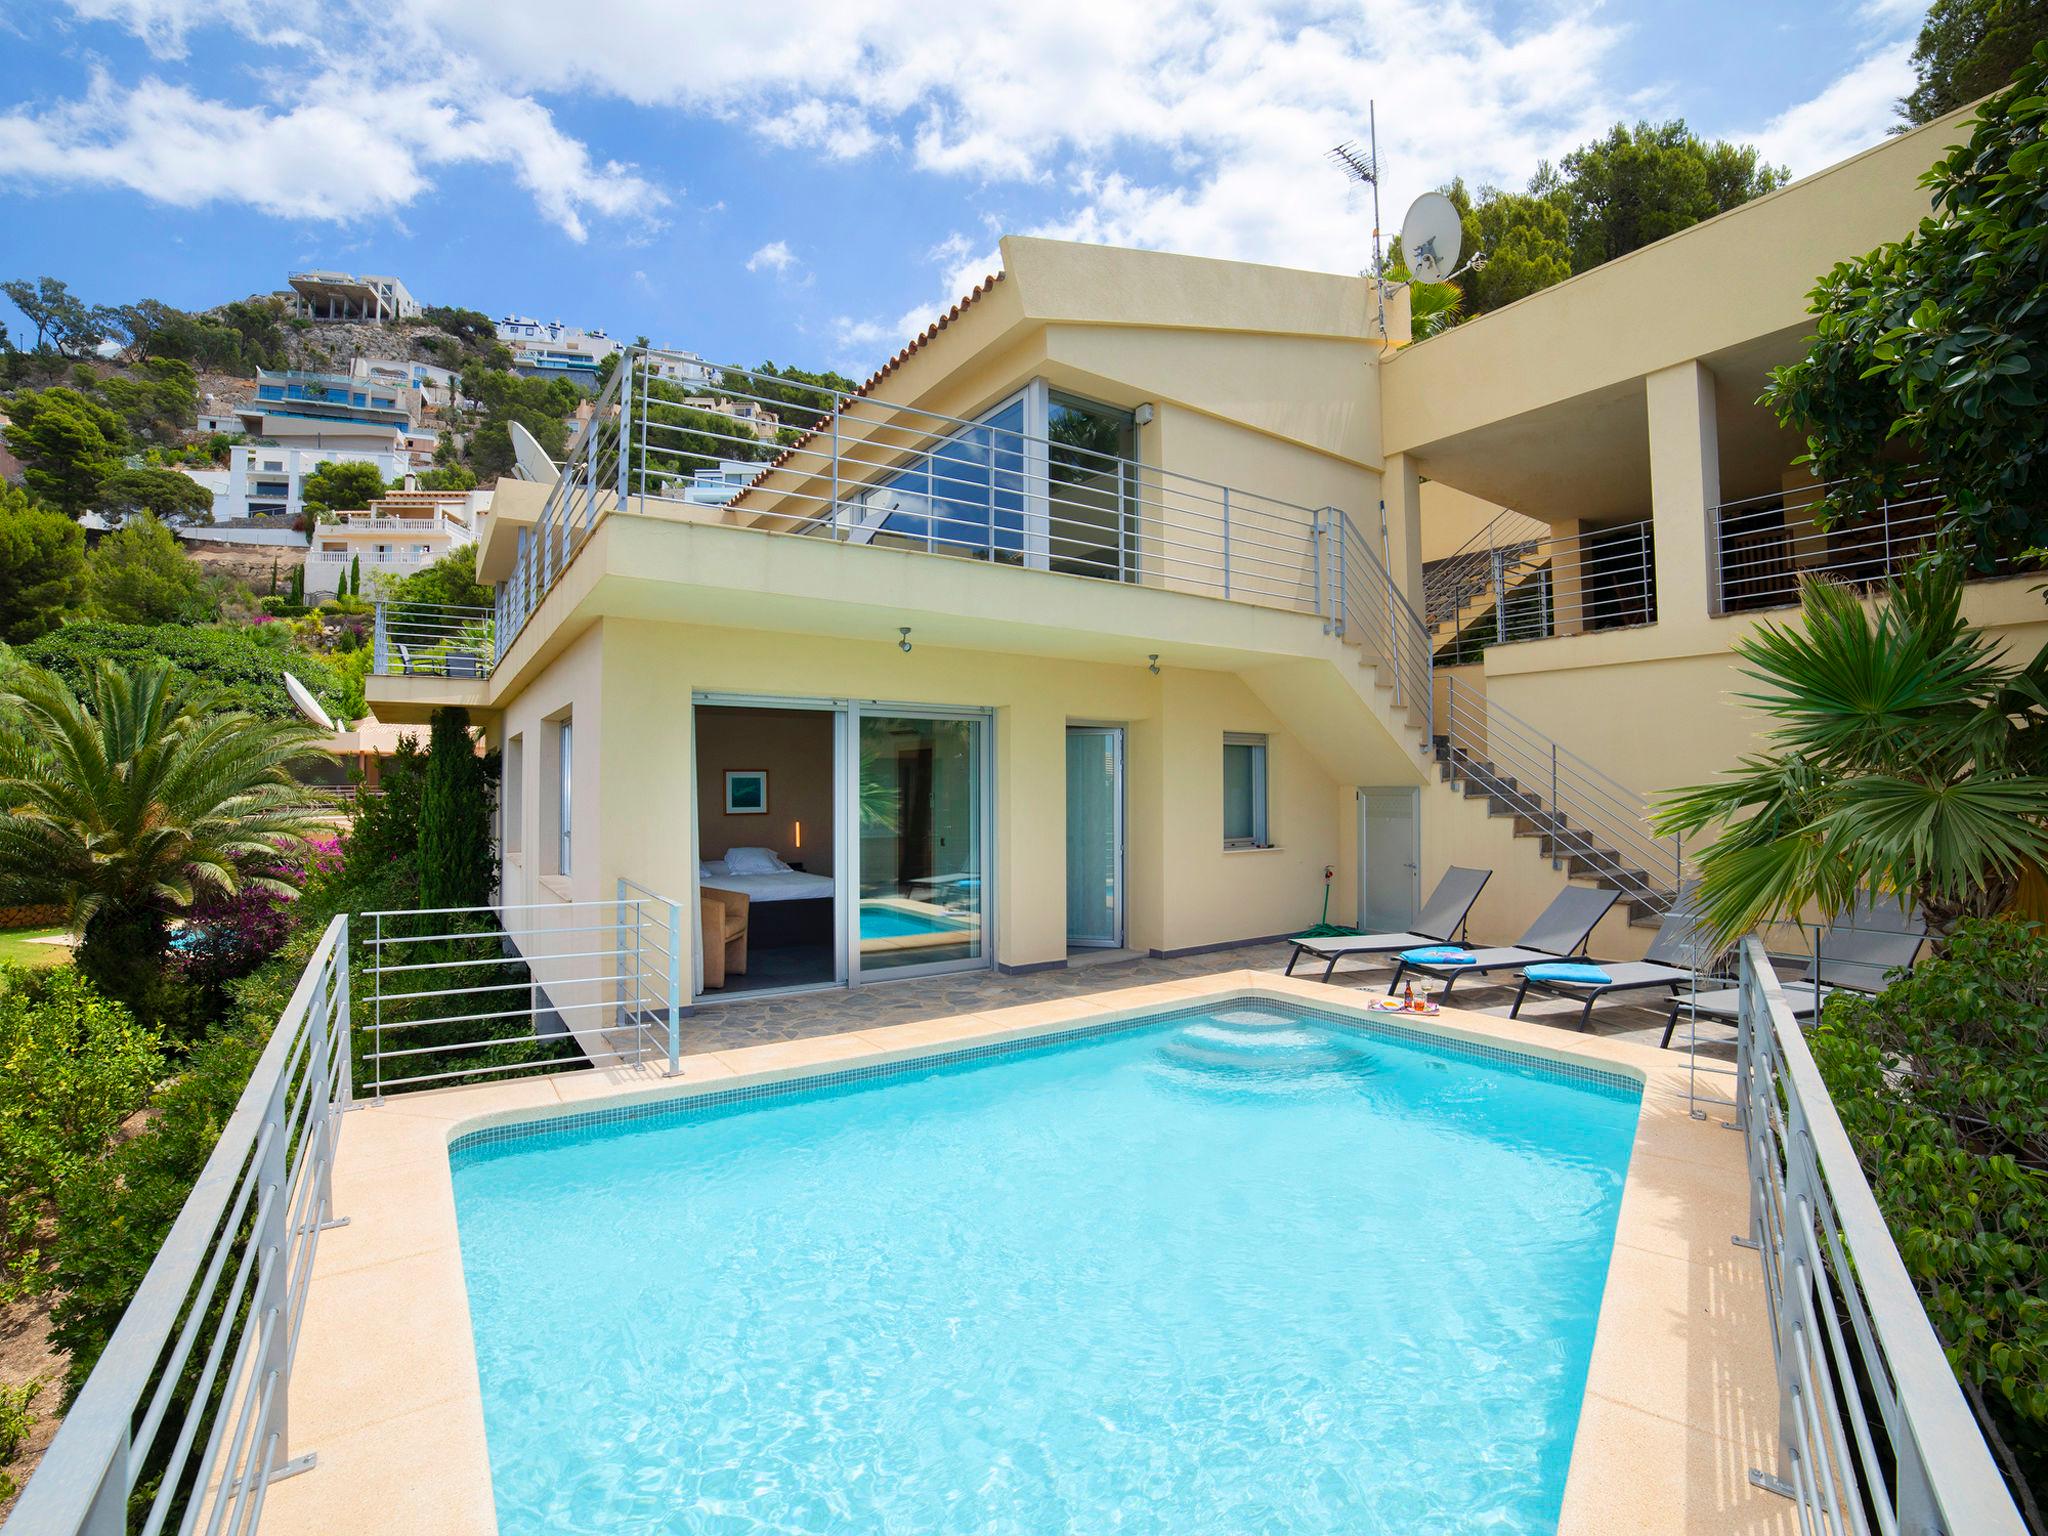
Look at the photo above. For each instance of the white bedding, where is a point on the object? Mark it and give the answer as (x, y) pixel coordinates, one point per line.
(786, 885)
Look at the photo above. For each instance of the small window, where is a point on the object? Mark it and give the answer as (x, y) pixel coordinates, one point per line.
(512, 796)
(1244, 791)
(565, 758)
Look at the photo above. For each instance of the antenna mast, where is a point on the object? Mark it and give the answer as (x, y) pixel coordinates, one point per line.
(1364, 165)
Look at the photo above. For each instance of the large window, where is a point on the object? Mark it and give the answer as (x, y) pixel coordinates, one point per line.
(1244, 791)
(1044, 479)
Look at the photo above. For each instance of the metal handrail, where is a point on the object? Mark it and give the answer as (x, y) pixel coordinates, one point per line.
(1591, 814)
(434, 640)
(609, 972)
(1873, 1430)
(1371, 611)
(862, 470)
(193, 1390)
(1454, 580)
(1763, 547)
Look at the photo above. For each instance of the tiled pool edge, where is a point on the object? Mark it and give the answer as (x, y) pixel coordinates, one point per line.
(1678, 1400)
(669, 1106)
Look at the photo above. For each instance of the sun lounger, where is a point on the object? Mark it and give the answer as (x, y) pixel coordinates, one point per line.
(1441, 919)
(1858, 953)
(1559, 932)
(1673, 961)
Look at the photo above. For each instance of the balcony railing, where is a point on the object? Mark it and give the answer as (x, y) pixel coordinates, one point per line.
(434, 640)
(1765, 544)
(1540, 588)
(1874, 1433)
(855, 470)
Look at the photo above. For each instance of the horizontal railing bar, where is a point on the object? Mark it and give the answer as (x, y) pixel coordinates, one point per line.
(560, 1064)
(499, 1013)
(498, 986)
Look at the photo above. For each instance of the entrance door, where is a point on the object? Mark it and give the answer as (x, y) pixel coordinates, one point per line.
(1389, 859)
(1095, 836)
(921, 806)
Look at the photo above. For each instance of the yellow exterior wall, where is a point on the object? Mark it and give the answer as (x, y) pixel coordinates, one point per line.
(1184, 889)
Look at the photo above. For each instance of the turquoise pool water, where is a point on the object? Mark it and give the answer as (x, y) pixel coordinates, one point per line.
(1243, 1271)
(898, 923)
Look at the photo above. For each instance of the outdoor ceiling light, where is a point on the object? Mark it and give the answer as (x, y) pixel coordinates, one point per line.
(1153, 663)
(1142, 416)
(903, 645)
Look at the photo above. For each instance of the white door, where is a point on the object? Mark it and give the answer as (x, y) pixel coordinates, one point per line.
(1389, 859)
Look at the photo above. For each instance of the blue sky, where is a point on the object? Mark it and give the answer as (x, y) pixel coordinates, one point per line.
(811, 182)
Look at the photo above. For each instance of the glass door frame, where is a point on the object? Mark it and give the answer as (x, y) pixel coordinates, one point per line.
(844, 842)
(1116, 736)
(985, 832)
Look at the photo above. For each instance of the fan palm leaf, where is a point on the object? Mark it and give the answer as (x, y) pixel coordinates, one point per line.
(126, 803)
(1909, 756)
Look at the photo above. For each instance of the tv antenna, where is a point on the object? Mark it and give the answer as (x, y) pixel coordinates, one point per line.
(1363, 165)
(1432, 232)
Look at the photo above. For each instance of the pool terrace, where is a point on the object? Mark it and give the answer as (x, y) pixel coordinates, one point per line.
(1680, 1402)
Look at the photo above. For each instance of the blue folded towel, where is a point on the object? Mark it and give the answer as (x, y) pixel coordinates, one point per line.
(1578, 972)
(1438, 954)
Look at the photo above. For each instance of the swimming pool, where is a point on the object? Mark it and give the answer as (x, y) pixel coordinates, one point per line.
(1241, 1269)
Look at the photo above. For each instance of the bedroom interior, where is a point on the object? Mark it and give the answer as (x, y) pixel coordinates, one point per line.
(765, 835)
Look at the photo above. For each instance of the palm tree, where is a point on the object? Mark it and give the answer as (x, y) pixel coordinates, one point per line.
(1909, 756)
(126, 803)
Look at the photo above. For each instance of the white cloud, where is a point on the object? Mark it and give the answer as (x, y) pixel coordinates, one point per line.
(775, 256)
(1184, 124)
(346, 137)
(1853, 112)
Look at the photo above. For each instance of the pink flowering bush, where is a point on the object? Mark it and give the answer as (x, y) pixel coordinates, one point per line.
(228, 934)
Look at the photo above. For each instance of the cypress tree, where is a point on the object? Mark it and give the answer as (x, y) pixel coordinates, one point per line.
(355, 576)
(455, 818)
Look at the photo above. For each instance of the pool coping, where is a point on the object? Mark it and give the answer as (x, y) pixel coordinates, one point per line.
(1680, 1396)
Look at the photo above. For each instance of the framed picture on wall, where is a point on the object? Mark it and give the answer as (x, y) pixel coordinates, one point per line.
(746, 791)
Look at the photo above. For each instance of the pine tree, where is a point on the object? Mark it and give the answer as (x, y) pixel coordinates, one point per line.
(455, 818)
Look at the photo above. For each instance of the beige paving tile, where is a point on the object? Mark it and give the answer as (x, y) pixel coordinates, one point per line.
(1686, 1341)
(382, 1341)
(373, 1137)
(449, 1104)
(1682, 1207)
(427, 1471)
(793, 1057)
(628, 1085)
(1636, 1474)
(393, 1211)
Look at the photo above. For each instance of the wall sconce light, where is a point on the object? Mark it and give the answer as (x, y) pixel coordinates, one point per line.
(799, 826)
(903, 645)
(1152, 663)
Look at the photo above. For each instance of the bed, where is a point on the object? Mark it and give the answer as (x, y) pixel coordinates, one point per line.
(785, 906)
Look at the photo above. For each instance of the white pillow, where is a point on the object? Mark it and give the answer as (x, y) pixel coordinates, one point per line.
(753, 861)
(711, 867)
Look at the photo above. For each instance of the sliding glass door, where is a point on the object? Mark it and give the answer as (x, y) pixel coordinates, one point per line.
(921, 805)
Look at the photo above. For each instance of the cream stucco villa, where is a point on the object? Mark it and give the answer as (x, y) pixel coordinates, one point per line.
(1143, 588)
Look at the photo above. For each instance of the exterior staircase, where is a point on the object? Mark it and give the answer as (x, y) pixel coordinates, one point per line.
(1646, 894)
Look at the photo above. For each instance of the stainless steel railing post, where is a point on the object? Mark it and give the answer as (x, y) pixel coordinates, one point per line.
(675, 987)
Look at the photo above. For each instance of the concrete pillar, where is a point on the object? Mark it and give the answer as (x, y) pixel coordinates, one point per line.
(1685, 484)
(1401, 489)
(1568, 591)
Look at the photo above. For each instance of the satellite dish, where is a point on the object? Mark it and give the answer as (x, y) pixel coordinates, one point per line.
(1431, 235)
(307, 705)
(531, 461)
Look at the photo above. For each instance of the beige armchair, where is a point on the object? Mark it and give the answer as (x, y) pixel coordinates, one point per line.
(724, 918)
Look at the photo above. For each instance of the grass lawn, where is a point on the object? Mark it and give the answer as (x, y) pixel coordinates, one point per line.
(15, 948)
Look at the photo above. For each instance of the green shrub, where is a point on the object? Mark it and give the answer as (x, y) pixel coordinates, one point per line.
(1941, 1081)
(241, 665)
(73, 1066)
(15, 1422)
(114, 1213)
